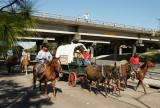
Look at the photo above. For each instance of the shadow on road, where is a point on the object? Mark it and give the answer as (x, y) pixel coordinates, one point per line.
(14, 95)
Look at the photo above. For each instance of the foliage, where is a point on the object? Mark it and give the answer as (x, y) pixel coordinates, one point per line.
(154, 56)
(15, 16)
(33, 49)
(53, 46)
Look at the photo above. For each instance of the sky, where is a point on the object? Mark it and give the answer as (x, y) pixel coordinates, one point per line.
(141, 13)
(26, 45)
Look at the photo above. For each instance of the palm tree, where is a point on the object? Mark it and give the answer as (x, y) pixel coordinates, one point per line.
(14, 17)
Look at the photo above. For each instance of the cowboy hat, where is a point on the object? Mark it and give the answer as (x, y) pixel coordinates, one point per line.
(45, 45)
(85, 50)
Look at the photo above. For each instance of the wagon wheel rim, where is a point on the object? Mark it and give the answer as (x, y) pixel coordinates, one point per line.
(72, 79)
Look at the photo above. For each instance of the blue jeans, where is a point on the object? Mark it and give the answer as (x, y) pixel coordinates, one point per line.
(78, 61)
(135, 67)
(86, 62)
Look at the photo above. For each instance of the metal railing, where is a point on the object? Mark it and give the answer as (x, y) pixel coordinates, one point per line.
(98, 22)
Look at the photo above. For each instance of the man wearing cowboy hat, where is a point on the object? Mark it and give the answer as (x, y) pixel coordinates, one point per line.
(43, 55)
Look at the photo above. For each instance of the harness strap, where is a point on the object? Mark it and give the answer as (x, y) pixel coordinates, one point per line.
(102, 70)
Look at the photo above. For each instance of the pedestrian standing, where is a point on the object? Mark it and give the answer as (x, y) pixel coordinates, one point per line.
(86, 17)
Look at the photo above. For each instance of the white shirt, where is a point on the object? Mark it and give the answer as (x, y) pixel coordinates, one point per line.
(86, 16)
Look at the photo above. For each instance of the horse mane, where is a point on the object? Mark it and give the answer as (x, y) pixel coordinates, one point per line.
(50, 62)
(143, 65)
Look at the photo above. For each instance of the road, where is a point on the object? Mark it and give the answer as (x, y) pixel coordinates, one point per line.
(16, 92)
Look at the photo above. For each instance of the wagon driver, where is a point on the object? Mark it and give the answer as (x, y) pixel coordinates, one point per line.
(86, 57)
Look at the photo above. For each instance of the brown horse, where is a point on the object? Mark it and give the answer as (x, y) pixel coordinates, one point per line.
(99, 74)
(142, 72)
(126, 71)
(116, 74)
(25, 63)
(93, 73)
(50, 71)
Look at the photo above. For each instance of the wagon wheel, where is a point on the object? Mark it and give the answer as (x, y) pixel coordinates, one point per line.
(72, 78)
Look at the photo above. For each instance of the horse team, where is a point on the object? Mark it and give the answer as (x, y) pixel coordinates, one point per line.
(115, 76)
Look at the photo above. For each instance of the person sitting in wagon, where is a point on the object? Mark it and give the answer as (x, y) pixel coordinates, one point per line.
(86, 57)
(78, 56)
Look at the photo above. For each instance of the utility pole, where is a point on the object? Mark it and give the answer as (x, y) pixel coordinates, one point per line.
(158, 24)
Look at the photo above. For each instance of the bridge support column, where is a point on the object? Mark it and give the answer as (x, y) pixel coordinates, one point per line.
(70, 38)
(64, 40)
(92, 52)
(38, 48)
(134, 49)
(38, 43)
(120, 49)
(115, 52)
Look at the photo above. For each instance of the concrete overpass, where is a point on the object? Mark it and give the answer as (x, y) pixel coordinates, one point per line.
(67, 29)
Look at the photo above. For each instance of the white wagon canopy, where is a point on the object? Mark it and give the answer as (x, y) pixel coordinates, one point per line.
(66, 52)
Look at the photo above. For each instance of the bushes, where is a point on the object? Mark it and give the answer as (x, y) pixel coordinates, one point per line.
(154, 56)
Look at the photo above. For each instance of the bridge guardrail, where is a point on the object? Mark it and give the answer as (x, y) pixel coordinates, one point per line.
(80, 19)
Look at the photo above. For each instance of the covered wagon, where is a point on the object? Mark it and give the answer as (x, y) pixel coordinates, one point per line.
(70, 68)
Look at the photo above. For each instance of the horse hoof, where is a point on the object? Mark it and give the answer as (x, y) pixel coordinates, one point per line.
(54, 98)
(46, 95)
(119, 95)
(34, 88)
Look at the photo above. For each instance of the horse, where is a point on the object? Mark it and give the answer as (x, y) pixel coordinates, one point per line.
(142, 72)
(25, 63)
(126, 72)
(11, 62)
(93, 73)
(117, 73)
(50, 71)
(99, 74)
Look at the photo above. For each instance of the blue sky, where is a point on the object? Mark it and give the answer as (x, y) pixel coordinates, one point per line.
(26, 45)
(142, 13)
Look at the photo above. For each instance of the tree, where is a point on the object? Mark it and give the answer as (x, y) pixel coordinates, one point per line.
(15, 15)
